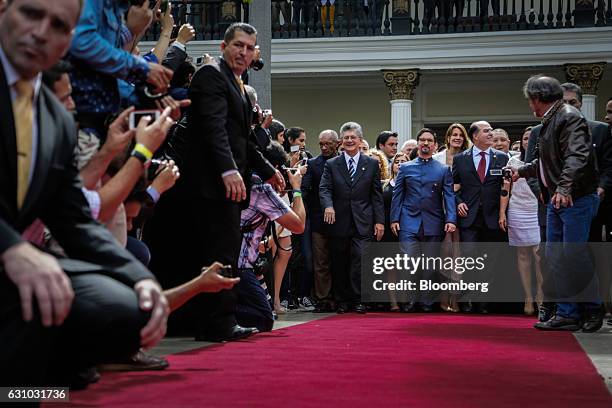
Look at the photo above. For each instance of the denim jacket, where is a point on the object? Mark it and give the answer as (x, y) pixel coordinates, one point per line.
(99, 59)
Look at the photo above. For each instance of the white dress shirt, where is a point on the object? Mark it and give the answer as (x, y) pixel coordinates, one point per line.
(355, 159)
(477, 157)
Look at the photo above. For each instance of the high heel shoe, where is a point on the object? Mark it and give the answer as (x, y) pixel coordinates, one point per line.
(529, 309)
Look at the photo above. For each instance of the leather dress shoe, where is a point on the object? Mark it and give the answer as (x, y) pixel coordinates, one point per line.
(342, 308)
(138, 362)
(593, 320)
(323, 307)
(558, 323)
(360, 308)
(236, 333)
(426, 308)
(408, 307)
(466, 307)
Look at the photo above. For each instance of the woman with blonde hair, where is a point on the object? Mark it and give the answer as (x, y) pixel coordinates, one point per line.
(382, 163)
(456, 141)
(389, 236)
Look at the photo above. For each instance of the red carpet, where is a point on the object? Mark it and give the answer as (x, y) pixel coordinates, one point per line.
(377, 360)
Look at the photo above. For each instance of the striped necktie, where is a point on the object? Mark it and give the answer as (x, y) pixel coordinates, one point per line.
(22, 112)
(351, 168)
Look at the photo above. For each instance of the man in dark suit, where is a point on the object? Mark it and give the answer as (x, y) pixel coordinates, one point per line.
(478, 173)
(423, 207)
(58, 315)
(221, 154)
(600, 134)
(351, 196)
(328, 142)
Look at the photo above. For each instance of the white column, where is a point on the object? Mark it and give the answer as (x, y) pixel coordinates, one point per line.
(588, 106)
(401, 119)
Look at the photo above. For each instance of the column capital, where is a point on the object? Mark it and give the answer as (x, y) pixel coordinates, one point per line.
(586, 76)
(401, 83)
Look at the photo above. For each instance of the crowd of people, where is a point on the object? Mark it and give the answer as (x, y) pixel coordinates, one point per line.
(141, 195)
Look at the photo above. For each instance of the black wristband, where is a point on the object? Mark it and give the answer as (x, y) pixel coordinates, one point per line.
(504, 193)
(143, 159)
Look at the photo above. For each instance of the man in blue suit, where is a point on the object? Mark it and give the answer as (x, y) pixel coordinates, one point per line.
(423, 206)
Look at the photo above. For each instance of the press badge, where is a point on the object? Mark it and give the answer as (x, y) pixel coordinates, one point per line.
(495, 172)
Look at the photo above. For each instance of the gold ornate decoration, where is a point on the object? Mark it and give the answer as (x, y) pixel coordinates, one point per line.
(401, 83)
(401, 8)
(586, 76)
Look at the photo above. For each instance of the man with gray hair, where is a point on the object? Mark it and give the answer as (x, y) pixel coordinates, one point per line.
(351, 196)
(328, 143)
(565, 165)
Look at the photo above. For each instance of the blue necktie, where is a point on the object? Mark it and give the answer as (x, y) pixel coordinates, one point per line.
(351, 168)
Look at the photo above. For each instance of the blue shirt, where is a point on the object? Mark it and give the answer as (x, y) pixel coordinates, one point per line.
(423, 195)
(98, 58)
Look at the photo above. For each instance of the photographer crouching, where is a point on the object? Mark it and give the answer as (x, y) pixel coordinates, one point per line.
(253, 308)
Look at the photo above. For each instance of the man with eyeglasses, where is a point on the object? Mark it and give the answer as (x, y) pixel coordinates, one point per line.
(328, 143)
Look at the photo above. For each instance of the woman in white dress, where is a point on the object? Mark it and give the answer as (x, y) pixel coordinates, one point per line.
(518, 214)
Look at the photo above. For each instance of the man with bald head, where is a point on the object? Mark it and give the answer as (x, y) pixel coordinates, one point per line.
(328, 143)
(58, 316)
(478, 173)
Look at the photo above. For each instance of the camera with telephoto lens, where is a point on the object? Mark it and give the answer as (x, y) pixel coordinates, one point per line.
(507, 174)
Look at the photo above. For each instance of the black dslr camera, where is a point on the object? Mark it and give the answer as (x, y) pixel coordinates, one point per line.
(507, 174)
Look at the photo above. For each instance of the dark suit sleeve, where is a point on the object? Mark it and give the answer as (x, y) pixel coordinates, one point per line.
(457, 177)
(398, 195)
(208, 114)
(8, 236)
(605, 162)
(174, 58)
(257, 162)
(377, 199)
(326, 188)
(449, 197)
(307, 181)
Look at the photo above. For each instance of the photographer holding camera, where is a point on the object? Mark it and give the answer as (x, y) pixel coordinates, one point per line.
(253, 308)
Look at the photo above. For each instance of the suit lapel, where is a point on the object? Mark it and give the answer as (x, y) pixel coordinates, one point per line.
(343, 169)
(44, 152)
(246, 106)
(358, 169)
(8, 147)
(493, 160)
(470, 163)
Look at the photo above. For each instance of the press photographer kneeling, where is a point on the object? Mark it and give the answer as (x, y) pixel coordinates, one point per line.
(253, 309)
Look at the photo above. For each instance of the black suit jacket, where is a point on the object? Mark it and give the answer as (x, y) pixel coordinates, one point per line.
(359, 202)
(174, 58)
(310, 189)
(55, 195)
(219, 133)
(476, 194)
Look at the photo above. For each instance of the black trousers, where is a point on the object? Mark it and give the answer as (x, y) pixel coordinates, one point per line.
(103, 325)
(345, 254)
(184, 235)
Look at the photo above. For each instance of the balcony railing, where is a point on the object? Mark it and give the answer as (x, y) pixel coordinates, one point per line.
(350, 18)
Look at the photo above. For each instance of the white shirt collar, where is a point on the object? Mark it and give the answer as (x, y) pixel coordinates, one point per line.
(355, 158)
(12, 76)
(476, 151)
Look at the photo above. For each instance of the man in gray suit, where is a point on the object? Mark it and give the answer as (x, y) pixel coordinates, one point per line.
(351, 195)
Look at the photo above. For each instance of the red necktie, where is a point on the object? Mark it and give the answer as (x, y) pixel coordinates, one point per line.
(482, 167)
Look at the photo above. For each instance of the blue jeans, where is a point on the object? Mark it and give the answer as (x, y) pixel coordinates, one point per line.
(429, 245)
(252, 308)
(571, 226)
